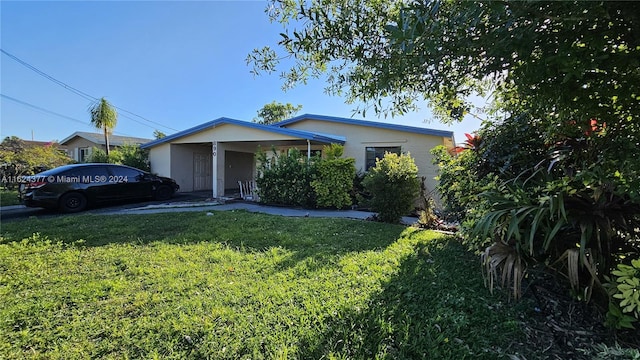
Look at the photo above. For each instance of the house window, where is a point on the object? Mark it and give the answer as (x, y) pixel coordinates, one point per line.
(317, 153)
(83, 154)
(374, 153)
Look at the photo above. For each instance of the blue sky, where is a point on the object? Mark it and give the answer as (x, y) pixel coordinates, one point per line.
(176, 64)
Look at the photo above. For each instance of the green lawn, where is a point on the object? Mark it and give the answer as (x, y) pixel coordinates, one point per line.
(8, 197)
(238, 285)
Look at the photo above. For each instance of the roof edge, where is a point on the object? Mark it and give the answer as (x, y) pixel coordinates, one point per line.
(398, 127)
(223, 120)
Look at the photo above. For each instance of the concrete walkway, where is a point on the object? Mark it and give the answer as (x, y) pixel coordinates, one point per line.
(209, 206)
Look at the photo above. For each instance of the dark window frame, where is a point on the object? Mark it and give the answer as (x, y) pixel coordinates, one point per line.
(377, 152)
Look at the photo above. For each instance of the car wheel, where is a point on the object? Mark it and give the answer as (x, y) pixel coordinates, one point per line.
(163, 192)
(73, 202)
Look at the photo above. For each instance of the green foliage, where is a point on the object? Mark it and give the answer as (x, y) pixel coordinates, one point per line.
(616, 352)
(19, 159)
(274, 112)
(561, 196)
(285, 178)
(557, 60)
(291, 179)
(334, 181)
(127, 154)
(132, 155)
(458, 183)
(9, 197)
(242, 285)
(99, 156)
(627, 278)
(104, 117)
(157, 134)
(394, 186)
(333, 151)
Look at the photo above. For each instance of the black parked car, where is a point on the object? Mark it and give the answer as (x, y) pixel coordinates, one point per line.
(72, 188)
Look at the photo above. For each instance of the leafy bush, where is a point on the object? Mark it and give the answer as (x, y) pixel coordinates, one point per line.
(99, 156)
(624, 305)
(334, 181)
(394, 185)
(293, 179)
(132, 155)
(334, 178)
(458, 183)
(564, 215)
(19, 159)
(285, 178)
(561, 195)
(128, 154)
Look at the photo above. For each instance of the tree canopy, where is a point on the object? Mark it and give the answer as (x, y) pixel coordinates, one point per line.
(275, 111)
(157, 134)
(18, 158)
(569, 60)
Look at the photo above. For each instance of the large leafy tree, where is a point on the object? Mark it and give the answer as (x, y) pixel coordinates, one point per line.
(275, 111)
(568, 60)
(104, 117)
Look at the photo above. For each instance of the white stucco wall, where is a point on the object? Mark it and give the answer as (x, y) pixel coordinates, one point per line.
(159, 158)
(230, 133)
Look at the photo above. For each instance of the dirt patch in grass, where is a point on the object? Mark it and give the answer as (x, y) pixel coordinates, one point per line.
(561, 327)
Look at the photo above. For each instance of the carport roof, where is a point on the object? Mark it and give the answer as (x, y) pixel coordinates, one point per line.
(306, 135)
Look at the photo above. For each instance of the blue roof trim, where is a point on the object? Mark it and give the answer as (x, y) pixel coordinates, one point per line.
(221, 121)
(412, 129)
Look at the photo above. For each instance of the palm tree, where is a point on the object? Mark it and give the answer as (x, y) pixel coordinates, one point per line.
(104, 117)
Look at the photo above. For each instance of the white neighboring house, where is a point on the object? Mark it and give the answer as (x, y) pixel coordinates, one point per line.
(215, 155)
(79, 144)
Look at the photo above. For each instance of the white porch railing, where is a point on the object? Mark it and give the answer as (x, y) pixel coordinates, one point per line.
(248, 190)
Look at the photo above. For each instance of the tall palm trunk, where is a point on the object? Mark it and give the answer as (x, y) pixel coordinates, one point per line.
(106, 140)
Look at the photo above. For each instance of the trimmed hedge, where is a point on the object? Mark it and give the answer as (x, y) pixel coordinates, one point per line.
(394, 186)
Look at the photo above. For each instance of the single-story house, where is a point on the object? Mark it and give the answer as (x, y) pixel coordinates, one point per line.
(215, 155)
(79, 144)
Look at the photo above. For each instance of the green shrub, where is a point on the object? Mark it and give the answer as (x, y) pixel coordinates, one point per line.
(334, 181)
(128, 154)
(624, 305)
(458, 183)
(394, 186)
(19, 159)
(98, 156)
(293, 179)
(132, 155)
(285, 178)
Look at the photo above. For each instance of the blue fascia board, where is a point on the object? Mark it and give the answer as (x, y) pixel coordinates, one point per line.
(221, 121)
(382, 125)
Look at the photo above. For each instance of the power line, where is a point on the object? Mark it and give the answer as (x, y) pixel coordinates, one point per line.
(79, 92)
(52, 112)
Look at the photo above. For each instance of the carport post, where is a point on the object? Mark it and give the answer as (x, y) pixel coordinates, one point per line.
(308, 149)
(214, 169)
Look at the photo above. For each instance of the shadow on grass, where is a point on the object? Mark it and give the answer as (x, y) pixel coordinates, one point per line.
(425, 312)
(239, 230)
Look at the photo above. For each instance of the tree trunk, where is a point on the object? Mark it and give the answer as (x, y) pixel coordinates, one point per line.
(106, 140)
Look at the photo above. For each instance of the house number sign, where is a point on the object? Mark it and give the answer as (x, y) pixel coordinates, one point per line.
(215, 148)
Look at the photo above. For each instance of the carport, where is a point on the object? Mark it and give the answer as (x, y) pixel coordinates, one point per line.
(216, 155)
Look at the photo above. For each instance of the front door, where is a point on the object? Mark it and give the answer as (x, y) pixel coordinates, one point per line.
(202, 171)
